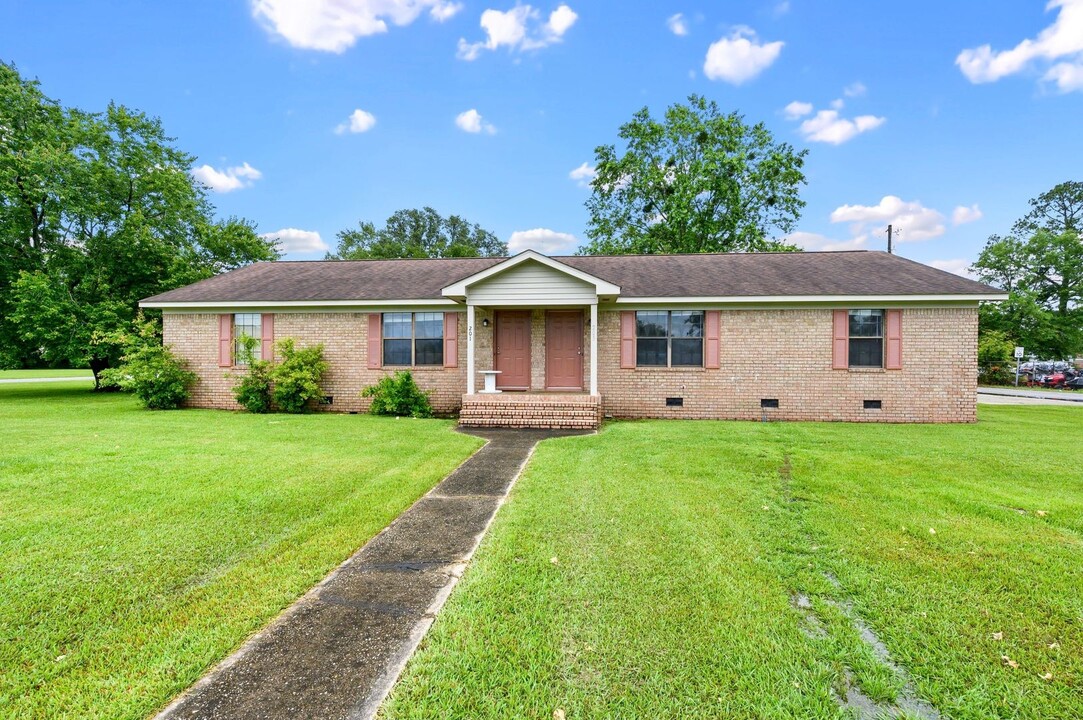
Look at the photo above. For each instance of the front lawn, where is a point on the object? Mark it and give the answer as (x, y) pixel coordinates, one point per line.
(724, 570)
(27, 374)
(138, 548)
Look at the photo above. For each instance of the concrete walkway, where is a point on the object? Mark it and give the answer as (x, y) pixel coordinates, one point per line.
(1023, 396)
(337, 651)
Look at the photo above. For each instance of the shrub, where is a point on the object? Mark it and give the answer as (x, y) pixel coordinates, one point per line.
(152, 372)
(398, 394)
(297, 378)
(995, 350)
(253, 391)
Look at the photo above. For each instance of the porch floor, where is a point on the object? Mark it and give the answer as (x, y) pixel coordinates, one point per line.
(545, 410)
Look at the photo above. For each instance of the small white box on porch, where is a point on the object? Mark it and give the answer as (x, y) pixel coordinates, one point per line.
(490, 381)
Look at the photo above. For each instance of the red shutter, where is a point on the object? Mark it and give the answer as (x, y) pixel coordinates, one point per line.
(893, 340)
(840, 348)
(225, 340)
(628, 339)
(375, 354)
(267, 336)
(712, 340)
(451, 339)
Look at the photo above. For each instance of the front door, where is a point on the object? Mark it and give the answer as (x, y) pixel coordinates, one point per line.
(564, 350)
(512, 348)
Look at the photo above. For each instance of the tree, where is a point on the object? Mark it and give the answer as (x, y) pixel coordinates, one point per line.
(97, 210)
(417, 234)
(1041, 268)
(697, 181)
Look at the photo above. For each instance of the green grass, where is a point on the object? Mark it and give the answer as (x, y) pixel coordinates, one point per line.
(138, 548)
(681, 546)
(23, 374)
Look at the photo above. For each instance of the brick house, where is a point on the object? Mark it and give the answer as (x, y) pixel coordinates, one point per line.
(851, 336)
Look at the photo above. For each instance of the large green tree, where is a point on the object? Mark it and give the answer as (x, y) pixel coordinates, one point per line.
(97, 210)
(417, 234)
(1040, 265)
(698, 180)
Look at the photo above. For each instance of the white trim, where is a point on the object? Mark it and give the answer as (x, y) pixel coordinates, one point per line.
(470, 350)
(844, 299)
(601, 287)
(302, 304)
(594, 349)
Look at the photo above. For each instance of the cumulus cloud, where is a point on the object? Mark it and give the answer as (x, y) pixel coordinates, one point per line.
(815, 241)
(227, 179)
(913, 220)
(963, 214)
(677, 24)
(797, 109)
(584, 174)
(830, 127)
(545, 241)
(518, 29)
(293, 241)
(471, 121)
(335, 25)
(957, 266)
(358, 122)
(739, 57)
(1060, 43)
(856, 89)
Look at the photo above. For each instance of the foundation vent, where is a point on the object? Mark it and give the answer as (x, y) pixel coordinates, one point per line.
(675, 402)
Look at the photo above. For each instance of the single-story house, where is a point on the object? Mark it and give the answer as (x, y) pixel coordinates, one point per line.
(852, 336)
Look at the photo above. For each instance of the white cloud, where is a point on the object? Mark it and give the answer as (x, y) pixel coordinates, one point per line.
(957, 266)
(797, 109)
(677, 25)
(781, 8)
(471, 121)
(856, 89)
(442, 11)
(358, 122)
(827, 126)
(815, 241)
(227, 179)
(739, 57)
(838, 104)
(518, 29)
(1063, 40)
(335, 25)
(545, 241)
(963, 214)
(584, 174)
(299, 242)
(911, 219)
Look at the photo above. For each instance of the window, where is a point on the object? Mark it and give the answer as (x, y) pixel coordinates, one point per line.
(866, 338)
(669, 338)
(413, 338)
(249, 324)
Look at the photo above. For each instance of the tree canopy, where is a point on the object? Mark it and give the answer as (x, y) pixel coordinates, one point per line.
(97, 210)
(417, 234)
(1040, 265)
(698, 180)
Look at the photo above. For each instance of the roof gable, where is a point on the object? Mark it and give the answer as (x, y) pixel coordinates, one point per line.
(460, 289)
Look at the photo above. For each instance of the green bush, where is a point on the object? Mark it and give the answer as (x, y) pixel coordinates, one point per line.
(152, 372)
(398, 394)
(297, 378)
(995, 361)
(253, 392)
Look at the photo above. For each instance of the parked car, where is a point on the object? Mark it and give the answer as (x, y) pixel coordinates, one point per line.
(1075, 383)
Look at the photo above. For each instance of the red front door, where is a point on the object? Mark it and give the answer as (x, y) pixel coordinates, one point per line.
(512, 348)
(564, 350)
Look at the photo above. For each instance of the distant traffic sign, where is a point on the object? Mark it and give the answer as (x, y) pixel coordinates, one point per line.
(1019, 353)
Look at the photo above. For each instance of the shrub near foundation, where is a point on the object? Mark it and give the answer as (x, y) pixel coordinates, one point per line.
(398, 394)
(151, 372)
(297, 378)
(253, 391)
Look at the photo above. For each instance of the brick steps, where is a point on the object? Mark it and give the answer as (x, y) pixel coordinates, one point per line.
(578, 412)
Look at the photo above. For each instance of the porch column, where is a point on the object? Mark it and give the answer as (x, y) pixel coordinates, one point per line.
(469, 349)
(594, 348)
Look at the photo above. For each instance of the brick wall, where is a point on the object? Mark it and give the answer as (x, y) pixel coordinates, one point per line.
(775, 354)
(786, 355)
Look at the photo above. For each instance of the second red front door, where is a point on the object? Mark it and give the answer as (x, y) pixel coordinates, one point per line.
(512, 347)
(564, 350)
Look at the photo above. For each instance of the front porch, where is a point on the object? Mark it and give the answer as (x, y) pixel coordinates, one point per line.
(568, 411)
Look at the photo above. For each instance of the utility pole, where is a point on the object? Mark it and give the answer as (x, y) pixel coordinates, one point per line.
(888, 239)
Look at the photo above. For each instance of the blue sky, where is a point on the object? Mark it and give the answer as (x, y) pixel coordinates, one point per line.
(310, 115)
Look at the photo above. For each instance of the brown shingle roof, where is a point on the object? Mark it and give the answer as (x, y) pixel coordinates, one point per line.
(725, 275)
